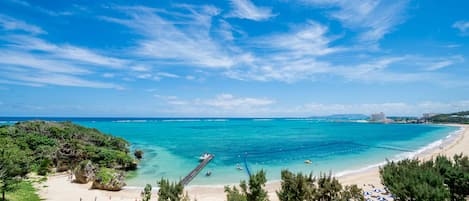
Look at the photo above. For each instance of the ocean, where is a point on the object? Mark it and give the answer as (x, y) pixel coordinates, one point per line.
(172, 146)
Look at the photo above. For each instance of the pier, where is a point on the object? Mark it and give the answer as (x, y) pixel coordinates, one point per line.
(196, 170)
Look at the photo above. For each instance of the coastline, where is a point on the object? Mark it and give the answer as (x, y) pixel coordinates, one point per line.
(59, 188)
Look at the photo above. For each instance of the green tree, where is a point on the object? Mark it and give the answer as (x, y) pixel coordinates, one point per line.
(14, 164)
(170, 191)
(146, 194)
(299, 187)
(296, 187)
(233, 194)
(456, 175)
(251, 191)
(412, 180)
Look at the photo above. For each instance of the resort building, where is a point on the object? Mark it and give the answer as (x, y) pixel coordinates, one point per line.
(378, 117)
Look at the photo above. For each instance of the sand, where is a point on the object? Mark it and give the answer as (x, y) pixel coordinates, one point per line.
(59, 188)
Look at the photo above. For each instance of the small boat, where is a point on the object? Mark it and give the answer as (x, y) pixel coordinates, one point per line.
(204, 156)
(208, 173)
(239, 167)
(308, 161)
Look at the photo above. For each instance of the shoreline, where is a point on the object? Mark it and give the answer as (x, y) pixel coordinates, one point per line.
(59, 188)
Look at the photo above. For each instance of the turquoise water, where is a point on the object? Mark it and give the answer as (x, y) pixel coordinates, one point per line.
(172, 146)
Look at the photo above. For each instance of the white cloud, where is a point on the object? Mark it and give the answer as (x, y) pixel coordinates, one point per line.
(184, 40)
(390, 108)
(39, 62)
(77, 54)
(307, 40)
(141, 68)
(166, 74)
(222, 104)
(62, 80)
(375, 18)
(228, 101)
(245, 9)
(10, 24)
(289, 57)
(109, 75)
(462, 26)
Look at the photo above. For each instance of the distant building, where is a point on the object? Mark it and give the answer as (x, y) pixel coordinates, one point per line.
(429, 115)
(378, 117)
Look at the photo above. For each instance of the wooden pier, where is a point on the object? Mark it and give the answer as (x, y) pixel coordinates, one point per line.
(196, 171)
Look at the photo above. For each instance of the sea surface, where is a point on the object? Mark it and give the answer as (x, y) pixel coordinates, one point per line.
(172, 145)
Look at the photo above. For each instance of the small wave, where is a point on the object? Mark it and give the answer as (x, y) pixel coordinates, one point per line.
(130, 121)
(262, 119)
(180, 120)
(299, 119)
(215, 119)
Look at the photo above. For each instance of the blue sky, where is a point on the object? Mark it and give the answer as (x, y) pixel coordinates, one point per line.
(233, 58)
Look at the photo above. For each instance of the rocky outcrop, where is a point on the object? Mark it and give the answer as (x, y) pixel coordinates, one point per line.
(85, 172)
(109, 179)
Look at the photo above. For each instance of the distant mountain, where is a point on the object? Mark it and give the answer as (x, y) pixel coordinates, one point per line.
(344, 116)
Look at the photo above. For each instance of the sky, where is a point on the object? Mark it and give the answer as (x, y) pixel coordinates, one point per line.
(234, 58)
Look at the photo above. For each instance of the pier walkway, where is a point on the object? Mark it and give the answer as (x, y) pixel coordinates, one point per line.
(196, 171)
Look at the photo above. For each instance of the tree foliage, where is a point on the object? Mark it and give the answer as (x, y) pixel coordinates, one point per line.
(63, 145)
(146, 193)
(299, 187)
(14, 164)
(171, 191)
(442, 179)
(251, 191)
(458, 117)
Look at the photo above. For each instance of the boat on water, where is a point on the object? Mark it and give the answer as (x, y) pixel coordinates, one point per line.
(204, 156)
(208, 173)
(239, 167)
(308, 161)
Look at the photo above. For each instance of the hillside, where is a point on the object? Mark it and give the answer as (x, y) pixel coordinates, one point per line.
(43, 147)
(458, 117)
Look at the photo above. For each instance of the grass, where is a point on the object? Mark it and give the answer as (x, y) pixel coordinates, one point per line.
(24, 191)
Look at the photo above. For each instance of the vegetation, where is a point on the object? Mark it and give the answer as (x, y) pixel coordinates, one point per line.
(41, 146)
(253, 191)
(64, 144)
(146, 193)
(442, 179)
(23, 191)
(171, 191)
(13, 165)
(458, 117)
(299, 187)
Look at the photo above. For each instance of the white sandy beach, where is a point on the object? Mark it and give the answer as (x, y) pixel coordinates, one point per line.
(59, 187)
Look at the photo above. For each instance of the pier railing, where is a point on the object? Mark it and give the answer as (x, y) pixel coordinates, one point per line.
(196, 170)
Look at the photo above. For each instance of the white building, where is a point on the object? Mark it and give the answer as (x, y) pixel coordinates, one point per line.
(378, 117)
